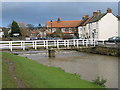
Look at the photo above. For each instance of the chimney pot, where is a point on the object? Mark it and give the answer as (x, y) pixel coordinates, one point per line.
(98, 12)
(109, 10)
(85, 16)
(94, 13)
(58, 19)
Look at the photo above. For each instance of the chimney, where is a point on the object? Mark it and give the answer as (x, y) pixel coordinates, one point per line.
(109, 10)
(94, 13)
(58, 19)
(85, 17)
(98, 12)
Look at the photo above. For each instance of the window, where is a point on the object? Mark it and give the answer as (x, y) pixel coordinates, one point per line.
(63, 29)
(53, 30)
(70, 29)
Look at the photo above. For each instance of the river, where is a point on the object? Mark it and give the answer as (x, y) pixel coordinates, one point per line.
(87, 65)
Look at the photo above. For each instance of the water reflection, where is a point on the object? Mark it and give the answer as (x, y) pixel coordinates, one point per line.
(88, 66)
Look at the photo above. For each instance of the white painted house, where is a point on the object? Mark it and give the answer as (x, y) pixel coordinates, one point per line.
(1, 33)
(100, 26)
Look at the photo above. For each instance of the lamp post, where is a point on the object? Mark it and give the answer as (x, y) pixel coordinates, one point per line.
(51, 25)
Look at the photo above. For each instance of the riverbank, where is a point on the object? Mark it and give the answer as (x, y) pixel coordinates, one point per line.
(35, 75)
(109, 51)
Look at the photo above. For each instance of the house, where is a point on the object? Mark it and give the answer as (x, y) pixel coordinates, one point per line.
(99, 26)
(33, 34)
(118, 25)
(37, 34)
(83, 29)
(68, 28)
(1, 32)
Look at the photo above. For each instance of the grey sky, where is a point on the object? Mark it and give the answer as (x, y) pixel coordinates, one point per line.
(40, 12)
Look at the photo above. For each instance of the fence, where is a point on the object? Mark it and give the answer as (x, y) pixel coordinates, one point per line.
(50, 43)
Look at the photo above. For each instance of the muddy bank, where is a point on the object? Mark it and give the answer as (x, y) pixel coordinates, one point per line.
(110, 51)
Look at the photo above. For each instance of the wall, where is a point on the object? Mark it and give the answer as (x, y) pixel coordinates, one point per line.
(108, 26)
(80, 32)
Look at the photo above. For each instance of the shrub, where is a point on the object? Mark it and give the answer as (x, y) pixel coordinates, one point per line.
(100, 82)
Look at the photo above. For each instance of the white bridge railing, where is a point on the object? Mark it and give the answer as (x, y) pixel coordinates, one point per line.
(54, 43)
(45, 44)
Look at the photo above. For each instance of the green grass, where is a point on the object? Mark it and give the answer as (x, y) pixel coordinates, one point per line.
(0, 70)
(8, 82)
(36, 75)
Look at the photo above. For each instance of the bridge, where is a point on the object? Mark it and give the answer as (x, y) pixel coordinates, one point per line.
(46, 44)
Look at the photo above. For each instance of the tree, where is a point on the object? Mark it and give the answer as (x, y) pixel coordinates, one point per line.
(39, 26)
(23, 29)
(30, 26)
(15, 28)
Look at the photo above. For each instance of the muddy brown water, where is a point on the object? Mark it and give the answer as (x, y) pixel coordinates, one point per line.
(87, 65)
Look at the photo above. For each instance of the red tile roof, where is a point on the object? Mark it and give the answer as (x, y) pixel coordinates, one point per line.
(33, 32)
(49, 32)
(68, 32)
(63, 32)
(56, 24)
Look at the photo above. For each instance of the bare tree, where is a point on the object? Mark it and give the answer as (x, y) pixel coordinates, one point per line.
(23, 28)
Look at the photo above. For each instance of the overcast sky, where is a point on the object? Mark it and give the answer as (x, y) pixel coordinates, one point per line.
(40, 12)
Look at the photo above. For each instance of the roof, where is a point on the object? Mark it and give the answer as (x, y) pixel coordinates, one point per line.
(62, 32)
(83, 21)
(87, 20)
(118, 17)
(97, 17)
(56, 24)
(33, 32)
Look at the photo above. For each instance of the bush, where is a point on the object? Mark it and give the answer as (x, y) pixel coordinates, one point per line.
(99, 81)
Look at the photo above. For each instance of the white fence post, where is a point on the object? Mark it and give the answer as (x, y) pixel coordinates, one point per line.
(65, 43)
(11, 46)
(77, 43)
(83, 42)
(35, 45)
(74, 42)
(94, 42)
(54, 43)
(57, 44)
(86, 42)
(23, 45)
(103, 42)
(46, 44)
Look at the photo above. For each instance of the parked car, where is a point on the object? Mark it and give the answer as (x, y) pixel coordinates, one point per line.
(33, 38)
(16, 34)
(55, 38)
(41, 38)
(114, 39)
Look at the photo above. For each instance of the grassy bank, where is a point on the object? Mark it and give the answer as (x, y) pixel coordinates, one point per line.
(7, 81)
(0, 70)
(36, 75)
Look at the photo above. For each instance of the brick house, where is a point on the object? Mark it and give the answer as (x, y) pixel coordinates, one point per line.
(68, 28)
